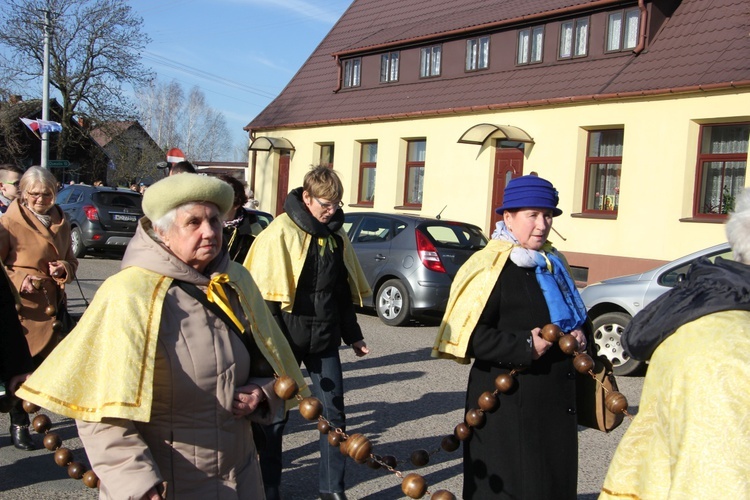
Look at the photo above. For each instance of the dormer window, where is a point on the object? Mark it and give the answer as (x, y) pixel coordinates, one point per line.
(389, 67)
(622, 30)
(429, 61)
(352, 72)
(530, 45)
(477, 53)
(574, 38)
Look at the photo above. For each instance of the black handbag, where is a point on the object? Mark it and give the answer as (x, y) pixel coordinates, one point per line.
(65, 322)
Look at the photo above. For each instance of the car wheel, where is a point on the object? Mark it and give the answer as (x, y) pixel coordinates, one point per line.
(392, 303)
(79, 250)
(607, 331)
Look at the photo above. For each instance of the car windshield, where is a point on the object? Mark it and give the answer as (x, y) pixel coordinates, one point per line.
(116, 199)
(455, 236)
(673, 276)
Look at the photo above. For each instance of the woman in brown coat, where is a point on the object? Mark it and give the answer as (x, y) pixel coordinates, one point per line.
(35, 246)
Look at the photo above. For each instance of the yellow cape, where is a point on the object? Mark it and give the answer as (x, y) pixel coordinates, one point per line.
(469, 293)
(105, 366)
(277, 256)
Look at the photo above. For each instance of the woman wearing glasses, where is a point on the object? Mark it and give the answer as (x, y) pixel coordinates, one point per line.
(308, 274)
(36, 249)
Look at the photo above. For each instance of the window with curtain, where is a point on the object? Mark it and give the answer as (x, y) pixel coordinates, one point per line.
(574, 38)
(720, 172)
(326, 155)
(429, 64)
(414, 185)
(477, 53)
(368, 158)
(530, 45)
(389, 67)
(352, 69)
(603, 168)
(622, 30)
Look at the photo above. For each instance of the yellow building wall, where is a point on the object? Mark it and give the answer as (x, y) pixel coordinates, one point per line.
(657, 179)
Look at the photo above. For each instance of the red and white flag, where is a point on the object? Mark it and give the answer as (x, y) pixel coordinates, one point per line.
(32, 124)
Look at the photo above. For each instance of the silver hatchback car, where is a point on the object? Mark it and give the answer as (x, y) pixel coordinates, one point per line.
(410, 261)
(612, 303)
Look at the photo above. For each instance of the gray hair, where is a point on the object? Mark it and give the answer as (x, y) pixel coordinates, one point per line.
(738, 227)
(164, 223)
(38, 175)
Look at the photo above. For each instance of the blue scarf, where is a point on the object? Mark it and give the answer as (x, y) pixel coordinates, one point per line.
(566, 309)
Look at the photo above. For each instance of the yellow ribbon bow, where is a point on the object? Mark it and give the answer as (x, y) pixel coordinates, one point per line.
(216, 295)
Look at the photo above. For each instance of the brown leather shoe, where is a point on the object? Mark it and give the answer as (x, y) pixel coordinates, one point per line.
(21, 438)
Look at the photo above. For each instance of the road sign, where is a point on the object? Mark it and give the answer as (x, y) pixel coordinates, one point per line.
(58, 163)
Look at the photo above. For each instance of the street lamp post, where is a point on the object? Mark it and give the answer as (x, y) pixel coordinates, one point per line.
(45, 87)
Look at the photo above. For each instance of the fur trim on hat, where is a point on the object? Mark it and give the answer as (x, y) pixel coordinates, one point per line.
(176, 190)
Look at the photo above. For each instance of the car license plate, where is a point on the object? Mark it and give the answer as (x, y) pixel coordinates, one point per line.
(125, 217)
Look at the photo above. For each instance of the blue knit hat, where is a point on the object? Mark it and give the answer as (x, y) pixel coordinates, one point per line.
(530, 191)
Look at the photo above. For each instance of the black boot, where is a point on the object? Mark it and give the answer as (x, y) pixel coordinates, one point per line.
(337, 495)
(21, 438)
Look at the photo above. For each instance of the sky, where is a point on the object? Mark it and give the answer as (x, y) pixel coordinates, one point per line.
(240, 53)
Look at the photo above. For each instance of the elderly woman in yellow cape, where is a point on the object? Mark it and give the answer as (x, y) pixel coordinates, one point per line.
(157, 373)
(500, 299)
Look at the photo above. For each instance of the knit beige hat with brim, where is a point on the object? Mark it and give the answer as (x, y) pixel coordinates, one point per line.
(176, 190)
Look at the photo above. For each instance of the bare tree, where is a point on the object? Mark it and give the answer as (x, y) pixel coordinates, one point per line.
(95, 49)
(190, 124)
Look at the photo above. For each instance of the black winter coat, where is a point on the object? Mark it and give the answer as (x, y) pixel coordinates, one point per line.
(15, 357)
(528, 446)
(323, 313)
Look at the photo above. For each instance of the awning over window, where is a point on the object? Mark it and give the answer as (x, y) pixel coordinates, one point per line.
(268, 143)
(480, 133)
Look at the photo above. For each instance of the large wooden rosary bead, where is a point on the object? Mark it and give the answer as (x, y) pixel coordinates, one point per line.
(311, 408)
(323, 426)
(615, 402)
(285, 387)
(414, 486)
(583, 362)
(474, 418)
(450, 443)
(487, 401)
(63, 457)
(57, 325)
(504, 382)
(420, 458)
(50, 311)
(359, 448)
(76, 470)
(551, 333)
(41, 424)
(52, 441)
(462, 431)
(30, 407)
(443, 495)
(90, 479)
(568, 344)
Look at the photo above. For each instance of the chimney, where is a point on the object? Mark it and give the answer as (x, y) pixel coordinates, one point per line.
(15, 99)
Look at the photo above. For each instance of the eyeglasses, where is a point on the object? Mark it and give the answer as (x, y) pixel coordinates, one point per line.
(329, 206)
(36, 196)
(14, 184)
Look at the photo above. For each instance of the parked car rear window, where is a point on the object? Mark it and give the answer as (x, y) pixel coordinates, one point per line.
(455, 236)
(115, 199)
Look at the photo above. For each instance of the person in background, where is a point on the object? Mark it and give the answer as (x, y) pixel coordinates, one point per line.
(10, 177)
(500, 300)
(35, 246)
(181, 168)
(15, 359)
(691, 436)
(241, 226)
(308, 273)
(179, 320)
(142, 189)
(134, 187)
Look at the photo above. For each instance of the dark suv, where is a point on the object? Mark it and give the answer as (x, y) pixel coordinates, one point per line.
(410, 261)
(101, 218)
